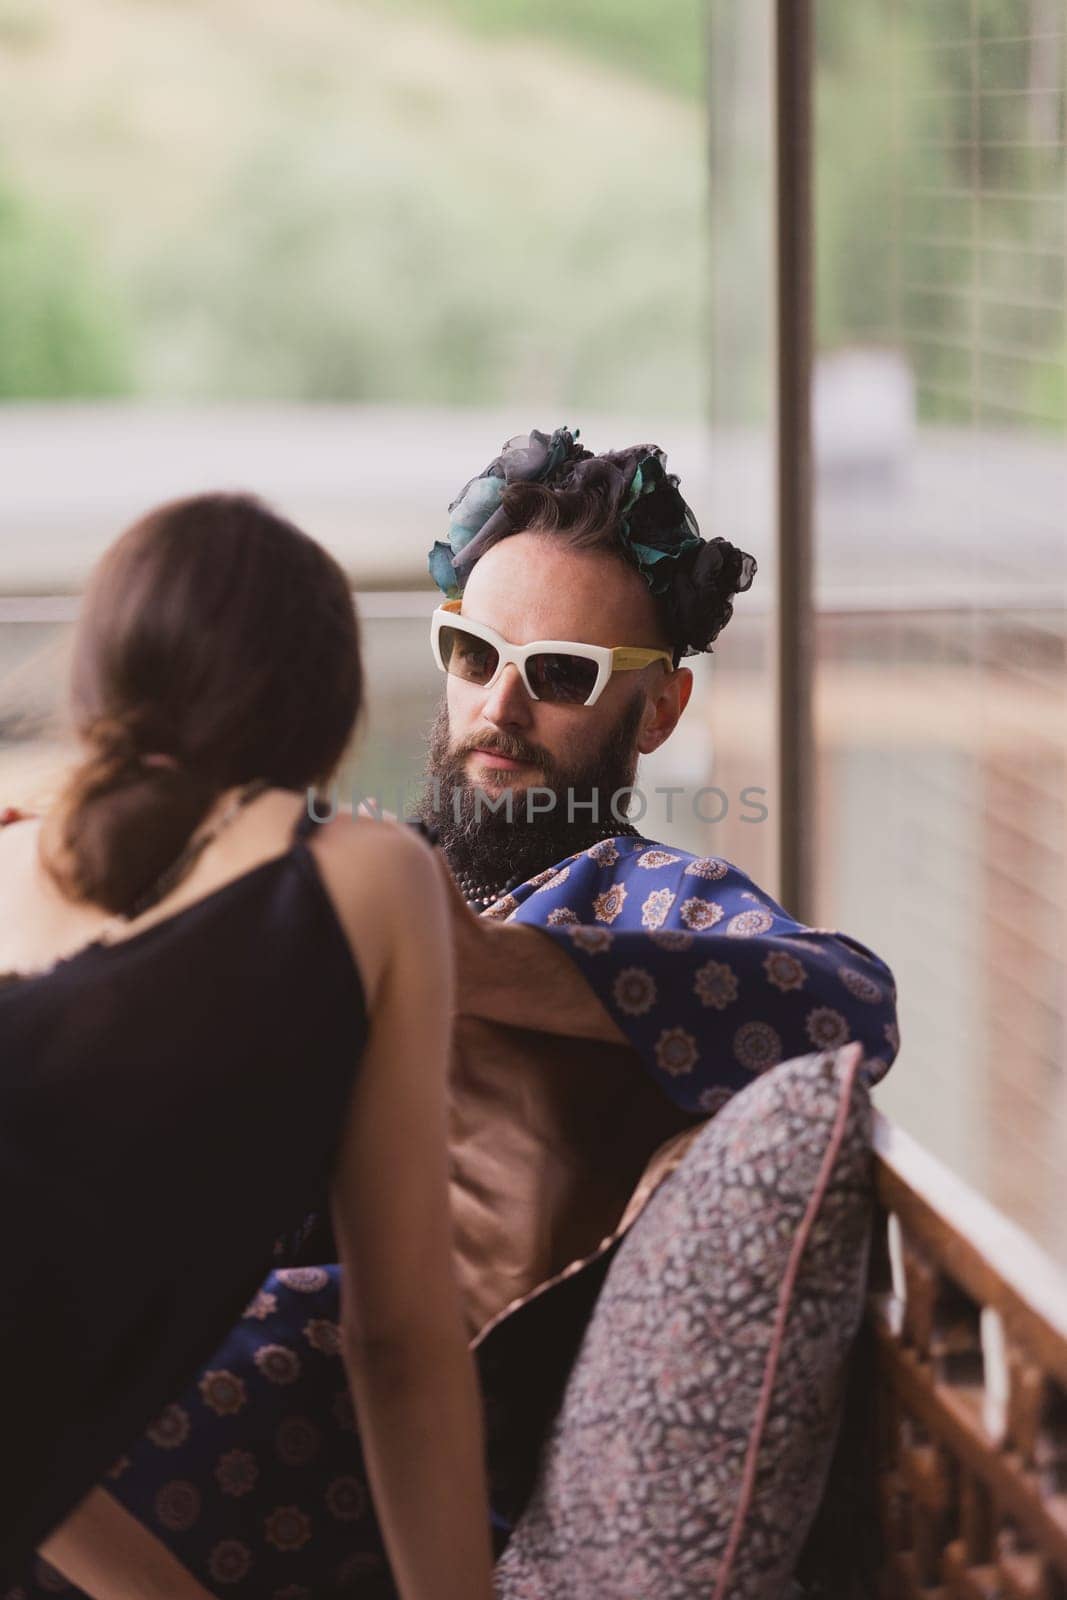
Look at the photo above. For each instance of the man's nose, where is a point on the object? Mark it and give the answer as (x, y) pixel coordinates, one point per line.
(507, 703)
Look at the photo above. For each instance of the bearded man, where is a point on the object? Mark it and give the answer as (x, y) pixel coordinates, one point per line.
(533, 759)
(575, 585)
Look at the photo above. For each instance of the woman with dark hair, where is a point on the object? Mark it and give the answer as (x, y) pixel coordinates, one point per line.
(205, 1014)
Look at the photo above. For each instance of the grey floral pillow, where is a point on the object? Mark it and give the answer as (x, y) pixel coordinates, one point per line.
(692, 1444)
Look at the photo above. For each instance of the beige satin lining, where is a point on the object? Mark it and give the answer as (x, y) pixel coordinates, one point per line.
(558, 1134)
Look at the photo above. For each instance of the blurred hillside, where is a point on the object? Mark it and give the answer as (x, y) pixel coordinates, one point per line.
(349, 200)
(500, 202)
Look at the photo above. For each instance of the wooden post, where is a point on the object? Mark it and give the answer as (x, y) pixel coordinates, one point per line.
(795, 644)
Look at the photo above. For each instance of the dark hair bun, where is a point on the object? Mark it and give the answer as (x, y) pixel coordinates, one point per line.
(123, 820)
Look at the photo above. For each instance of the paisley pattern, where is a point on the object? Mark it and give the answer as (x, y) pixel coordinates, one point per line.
(254, 1476)
(708, 976)
(644, 1489)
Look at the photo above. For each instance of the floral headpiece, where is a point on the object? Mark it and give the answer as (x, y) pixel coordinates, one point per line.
(694, 579)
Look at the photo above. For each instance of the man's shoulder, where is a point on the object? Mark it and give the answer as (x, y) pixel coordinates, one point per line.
(630, 865)
(648, 855)
(637, 852)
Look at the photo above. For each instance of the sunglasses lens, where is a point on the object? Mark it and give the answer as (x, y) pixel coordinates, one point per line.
(563, 679)
(466, 656)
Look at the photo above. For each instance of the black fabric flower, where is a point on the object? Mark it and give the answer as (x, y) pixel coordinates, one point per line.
(703, 584)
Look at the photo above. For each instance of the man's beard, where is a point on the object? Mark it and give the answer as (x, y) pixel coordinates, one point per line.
(479, 839)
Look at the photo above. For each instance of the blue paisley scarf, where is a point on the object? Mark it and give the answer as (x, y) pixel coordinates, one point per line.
(710, 979)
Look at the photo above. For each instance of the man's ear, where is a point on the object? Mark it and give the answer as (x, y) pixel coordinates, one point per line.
(665, 706)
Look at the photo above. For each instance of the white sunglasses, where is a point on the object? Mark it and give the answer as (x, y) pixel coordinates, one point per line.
(555, 670)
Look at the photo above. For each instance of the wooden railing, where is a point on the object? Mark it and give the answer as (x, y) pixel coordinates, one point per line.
(969, 1327)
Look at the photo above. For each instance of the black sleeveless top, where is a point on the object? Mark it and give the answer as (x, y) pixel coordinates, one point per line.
(169, 1104)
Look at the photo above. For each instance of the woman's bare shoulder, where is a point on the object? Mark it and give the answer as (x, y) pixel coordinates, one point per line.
(360, 848)
(18, 839)
(379, 874)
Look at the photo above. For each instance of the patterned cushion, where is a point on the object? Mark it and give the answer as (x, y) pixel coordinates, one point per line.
(696, 1429)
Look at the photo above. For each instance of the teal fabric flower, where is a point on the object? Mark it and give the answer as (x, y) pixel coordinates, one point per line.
(477, 520)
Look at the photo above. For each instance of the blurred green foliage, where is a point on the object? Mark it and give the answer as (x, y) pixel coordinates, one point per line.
(658, 42)
(364, 201)
(59, 338)
(406, 202)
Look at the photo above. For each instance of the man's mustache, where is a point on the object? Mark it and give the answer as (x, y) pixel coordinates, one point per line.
(511, 748)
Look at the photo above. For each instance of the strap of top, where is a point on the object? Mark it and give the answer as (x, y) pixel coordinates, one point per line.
(318, 812)
(306, 823)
